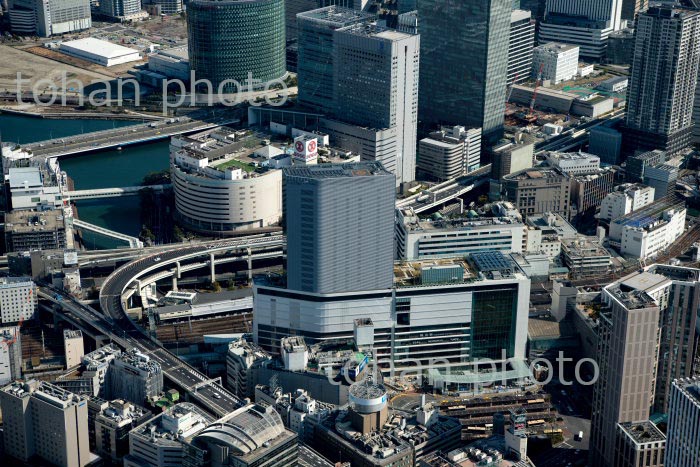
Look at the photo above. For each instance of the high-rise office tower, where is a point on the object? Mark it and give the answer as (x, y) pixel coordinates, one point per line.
(464, 63)
(45, 421)
(627, 350)
(232, 39)
(586, 23)
(315, 64)
(120, 8)
(291, 9)
(683, 445)
(375, 84)
(522, 43)
(47, 18)
(663, 80)
(334, 243)
(630, 8)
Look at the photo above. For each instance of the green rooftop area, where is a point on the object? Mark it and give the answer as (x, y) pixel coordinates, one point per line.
(237, 164)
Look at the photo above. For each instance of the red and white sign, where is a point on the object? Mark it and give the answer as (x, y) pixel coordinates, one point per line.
(305, 149)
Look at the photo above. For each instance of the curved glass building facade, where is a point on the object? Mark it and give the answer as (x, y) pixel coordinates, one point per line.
(230, 38)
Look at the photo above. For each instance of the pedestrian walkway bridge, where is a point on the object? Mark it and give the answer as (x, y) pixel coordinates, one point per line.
(133, 242)
(110, 192)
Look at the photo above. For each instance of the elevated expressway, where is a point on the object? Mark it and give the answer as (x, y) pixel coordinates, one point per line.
(131, 278)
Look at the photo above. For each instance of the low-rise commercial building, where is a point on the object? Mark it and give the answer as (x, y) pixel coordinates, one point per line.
(450, 153)
(164, 441)
(663, 177)
(617, 84)
(33, 188)
(646, 238)
(73, 347)
(35, 230)
(663, 221)
(112, 426)
(606, 143)
(512, 156)
(555, 62)
(585, 258)
(637, 164)
(575, 163)
(587, 192)
(420, 239)
(367, 435)
(538, 190)
(624, 200)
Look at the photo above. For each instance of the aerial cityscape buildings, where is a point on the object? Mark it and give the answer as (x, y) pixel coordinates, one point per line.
(309, 233)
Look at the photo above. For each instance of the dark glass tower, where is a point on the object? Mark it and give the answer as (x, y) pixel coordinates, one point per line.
(228, 39)
(464, 63)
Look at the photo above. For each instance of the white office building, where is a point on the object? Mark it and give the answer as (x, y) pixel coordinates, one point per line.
(520, 47)
(418, 239)
(375, 84)
(574, 163)
(683, 433)
(46, 18)
(648, 240)
(18, 300)
(450, 152)
(163, 441)
(624, 200)
(30, 187)
(557, 62)
(587, 24)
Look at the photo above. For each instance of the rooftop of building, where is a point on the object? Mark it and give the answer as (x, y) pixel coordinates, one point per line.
(630, 299)
(34, 221)
(520, 15)
(555, 223)
(45, 391)
(651, 213)
(120, 411)
(676, 273)
(583, 247)
(474, 455)
(138, 360)
(101, 356)
(326, 171)
(557, 47)
(471, 220)
(336, 16)
(99, 47)
(23, 177)
(399, 434)
(536, 173)
(376, 31)
(180, 52)
(176, 425)
(10, 282)
(545, 328)
(572, 156)
(690, 386)
(643, 281)
(250, 431)
(642, 432)
(72, 334)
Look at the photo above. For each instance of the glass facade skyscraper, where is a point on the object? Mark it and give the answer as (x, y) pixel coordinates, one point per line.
(464, 63)
(228, 39)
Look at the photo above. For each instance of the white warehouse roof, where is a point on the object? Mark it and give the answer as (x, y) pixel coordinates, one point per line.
(103, 52)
